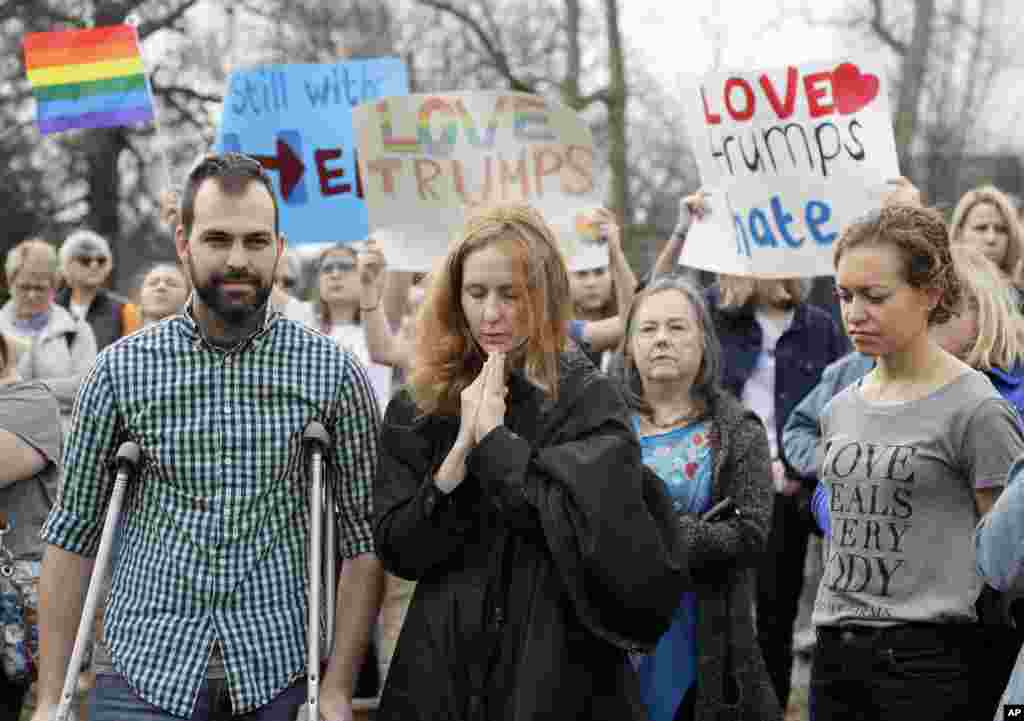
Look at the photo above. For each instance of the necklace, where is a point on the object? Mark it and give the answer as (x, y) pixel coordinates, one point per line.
(688, 415)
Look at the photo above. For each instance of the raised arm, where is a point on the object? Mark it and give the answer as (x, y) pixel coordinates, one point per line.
(378, 288)
(606, 334)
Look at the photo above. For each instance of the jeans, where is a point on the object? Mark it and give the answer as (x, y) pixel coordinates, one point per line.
(112, 699)
(913, 671)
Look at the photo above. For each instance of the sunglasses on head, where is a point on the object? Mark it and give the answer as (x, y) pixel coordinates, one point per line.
(337, 266)
(88, 260)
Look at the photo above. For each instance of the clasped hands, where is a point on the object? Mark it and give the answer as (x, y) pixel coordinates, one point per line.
(483, 402)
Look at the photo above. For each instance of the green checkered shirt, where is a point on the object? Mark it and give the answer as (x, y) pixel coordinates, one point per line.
(215, 529)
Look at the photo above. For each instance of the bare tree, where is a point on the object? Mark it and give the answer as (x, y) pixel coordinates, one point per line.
(949, 55)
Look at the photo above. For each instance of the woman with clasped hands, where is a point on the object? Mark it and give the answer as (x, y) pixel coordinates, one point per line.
(511, 488)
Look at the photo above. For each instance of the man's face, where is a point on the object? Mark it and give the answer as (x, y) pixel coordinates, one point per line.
(87, 267)
(232, 252)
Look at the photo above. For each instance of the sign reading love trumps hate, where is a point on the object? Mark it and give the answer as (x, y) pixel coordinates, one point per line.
(427, 160)
(790, 156)
(297, 121)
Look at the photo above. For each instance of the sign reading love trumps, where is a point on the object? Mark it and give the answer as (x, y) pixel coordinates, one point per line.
(790, 156)
(428, 160)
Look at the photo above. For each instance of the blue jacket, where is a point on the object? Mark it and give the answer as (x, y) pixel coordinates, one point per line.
(811, 343)
(801, 433)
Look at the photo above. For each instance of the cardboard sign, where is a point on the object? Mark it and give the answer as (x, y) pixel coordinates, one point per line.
(428, 160)
(297, 121)
(791, 156)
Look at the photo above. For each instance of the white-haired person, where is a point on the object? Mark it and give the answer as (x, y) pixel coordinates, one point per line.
(62, 348)
(86, 263)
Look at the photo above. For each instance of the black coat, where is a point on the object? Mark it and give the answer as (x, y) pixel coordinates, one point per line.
(537, 575)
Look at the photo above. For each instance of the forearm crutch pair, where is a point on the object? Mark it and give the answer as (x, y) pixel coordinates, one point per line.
(127, 463)
(321, 565)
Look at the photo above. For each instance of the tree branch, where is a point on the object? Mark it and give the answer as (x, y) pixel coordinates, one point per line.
(184, 92)
(880, 29)
(148, 27)
(500, 59)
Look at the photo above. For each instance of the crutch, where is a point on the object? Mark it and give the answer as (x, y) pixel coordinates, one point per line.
(316, 438)
(127, 462)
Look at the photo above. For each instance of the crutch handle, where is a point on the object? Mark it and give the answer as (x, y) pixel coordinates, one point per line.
(128, 457)
(127, 462)
(315, 433)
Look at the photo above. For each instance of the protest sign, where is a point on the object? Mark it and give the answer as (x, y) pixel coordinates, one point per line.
(791, 156)
(428, 160)
(297, 121)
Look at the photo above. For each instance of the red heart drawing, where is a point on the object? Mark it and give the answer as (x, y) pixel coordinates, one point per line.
(690, 470)
(852, 90)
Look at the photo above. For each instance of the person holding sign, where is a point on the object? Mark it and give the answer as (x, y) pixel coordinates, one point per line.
(985, 218)
(511, 488)
(600, 294)
(337, 312)
(912, 455)
(707, 449)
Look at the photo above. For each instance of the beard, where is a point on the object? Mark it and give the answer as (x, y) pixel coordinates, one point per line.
(234, 312)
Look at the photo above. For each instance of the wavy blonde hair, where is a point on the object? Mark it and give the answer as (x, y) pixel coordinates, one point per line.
(446, 357)
(990, 194)
(1000, 340)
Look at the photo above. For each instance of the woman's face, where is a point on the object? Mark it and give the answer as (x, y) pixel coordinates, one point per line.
(32, 286)
(667, 343)
(492, 297)
(882, 313)
(163, 293)
(959, 334)
(339, 281)
(591, 289)
(987, 230)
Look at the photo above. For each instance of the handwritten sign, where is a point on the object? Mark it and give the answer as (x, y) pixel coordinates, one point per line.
(297, 121)
(428, 160)
(791, 156)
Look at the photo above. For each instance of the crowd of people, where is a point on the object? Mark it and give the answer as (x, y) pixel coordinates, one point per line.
(560, 492)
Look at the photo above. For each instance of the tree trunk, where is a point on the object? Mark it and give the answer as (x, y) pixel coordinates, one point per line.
(912, 76)
(618, 96)
(103, 149)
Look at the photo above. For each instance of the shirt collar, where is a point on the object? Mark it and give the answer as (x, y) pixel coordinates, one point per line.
(194, 332)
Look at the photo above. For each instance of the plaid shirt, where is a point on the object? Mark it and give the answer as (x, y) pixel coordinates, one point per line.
(215, 528)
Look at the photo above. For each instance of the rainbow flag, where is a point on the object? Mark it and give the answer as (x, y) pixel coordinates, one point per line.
(90, 78)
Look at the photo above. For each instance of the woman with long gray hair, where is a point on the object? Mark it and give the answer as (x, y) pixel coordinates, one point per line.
(707, 449)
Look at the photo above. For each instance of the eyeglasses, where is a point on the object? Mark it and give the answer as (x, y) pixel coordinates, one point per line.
(87, 260)
(337, 266)
(287, 283)
(27, 289)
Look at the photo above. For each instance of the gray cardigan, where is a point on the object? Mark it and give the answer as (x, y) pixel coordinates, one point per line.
(732, 680)
(60, 356)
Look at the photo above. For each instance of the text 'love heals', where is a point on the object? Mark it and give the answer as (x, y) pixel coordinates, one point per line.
(794, 154)
(871, 507)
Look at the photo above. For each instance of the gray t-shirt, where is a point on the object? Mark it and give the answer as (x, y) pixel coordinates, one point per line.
(29, 410)
(902, 478)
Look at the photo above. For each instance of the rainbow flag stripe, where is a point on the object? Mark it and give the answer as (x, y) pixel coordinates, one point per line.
(90, 78)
